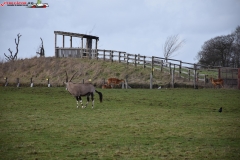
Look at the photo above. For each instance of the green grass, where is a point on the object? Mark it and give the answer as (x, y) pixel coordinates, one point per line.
(44, 123)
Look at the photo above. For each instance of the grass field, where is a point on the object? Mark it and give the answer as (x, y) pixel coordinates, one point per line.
(44, 123)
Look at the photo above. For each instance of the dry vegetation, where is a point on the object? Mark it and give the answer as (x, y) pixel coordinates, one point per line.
(97, 70)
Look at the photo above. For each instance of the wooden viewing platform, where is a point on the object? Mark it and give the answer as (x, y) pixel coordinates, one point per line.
(82, 51)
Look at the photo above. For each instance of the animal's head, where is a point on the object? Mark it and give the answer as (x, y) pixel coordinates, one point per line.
(68, 82)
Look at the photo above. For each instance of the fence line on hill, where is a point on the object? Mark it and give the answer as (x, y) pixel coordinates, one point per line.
(175, 68)
(191, 71)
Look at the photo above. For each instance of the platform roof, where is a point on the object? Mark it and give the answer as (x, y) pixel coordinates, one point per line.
(76, 35)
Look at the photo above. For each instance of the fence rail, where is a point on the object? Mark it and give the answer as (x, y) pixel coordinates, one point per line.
(175, 68)
(183, 69)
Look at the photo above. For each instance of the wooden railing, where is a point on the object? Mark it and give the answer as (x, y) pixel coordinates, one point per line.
(173, 66)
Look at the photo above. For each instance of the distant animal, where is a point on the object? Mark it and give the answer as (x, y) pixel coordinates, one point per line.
(114, 81)
(106, 86)
(80, 89)
(216, 82)
(220, 110)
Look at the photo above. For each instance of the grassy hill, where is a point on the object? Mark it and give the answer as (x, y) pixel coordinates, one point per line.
(54, 68)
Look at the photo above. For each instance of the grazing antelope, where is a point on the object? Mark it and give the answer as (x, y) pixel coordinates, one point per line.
(114, 81)
(216, 82)
(106, 86)
(80, 89)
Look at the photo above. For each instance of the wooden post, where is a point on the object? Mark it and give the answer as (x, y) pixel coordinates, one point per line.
(89, 53)
(152, 64)
(161, 65)
(81, 52)
(31, 82)
(144, 63)
(18, 84)
(104, 55)
(63, 41)
(111, 56)
(151, 76)
(71, 41)
(126, 81)
(127, 58)
(138, 58)
(97, 54)
(6, 81)
(82, 42)
(83, 81)
(173, 78)
(219, 73)
(180, 68)
(48, 81)
(96, 44)
(189, 75)
(119, 57)
(135, 60)
(195, 76)
(170, 69)
(56, 54)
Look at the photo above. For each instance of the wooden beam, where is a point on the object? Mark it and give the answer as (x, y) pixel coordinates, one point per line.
(119, 57)
(56, 54)
(63, 41)
(96, 44)
(82, 42)
(180, 68)
(152, 64)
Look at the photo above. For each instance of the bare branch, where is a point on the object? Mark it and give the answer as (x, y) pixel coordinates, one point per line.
(172, 45)
(17, 43)
(12, 57)
(41, 51)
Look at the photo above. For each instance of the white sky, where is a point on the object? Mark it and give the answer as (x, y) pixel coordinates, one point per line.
(133, 26)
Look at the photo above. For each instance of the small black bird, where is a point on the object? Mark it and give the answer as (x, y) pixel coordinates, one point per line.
(220, 110)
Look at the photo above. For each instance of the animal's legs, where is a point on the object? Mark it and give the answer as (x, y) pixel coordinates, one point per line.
(87, 100)
(92, 99)
(77, 98)
(80, 98)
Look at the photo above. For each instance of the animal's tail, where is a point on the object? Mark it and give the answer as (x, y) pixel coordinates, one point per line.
(100, 95)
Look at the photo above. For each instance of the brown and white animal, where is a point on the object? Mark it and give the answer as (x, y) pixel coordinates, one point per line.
(106, 86)
(114, 81)
(216, 82)
(80, 89)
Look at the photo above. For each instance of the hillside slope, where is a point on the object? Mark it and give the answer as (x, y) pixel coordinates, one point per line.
(54, 68)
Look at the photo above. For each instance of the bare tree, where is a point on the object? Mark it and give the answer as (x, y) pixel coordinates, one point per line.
(41, 50)
(171, 45)
(12, 57)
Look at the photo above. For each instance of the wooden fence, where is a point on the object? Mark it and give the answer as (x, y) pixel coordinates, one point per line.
(176, 68)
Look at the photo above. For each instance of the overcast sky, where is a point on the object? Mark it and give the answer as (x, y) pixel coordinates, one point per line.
(133, 26)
